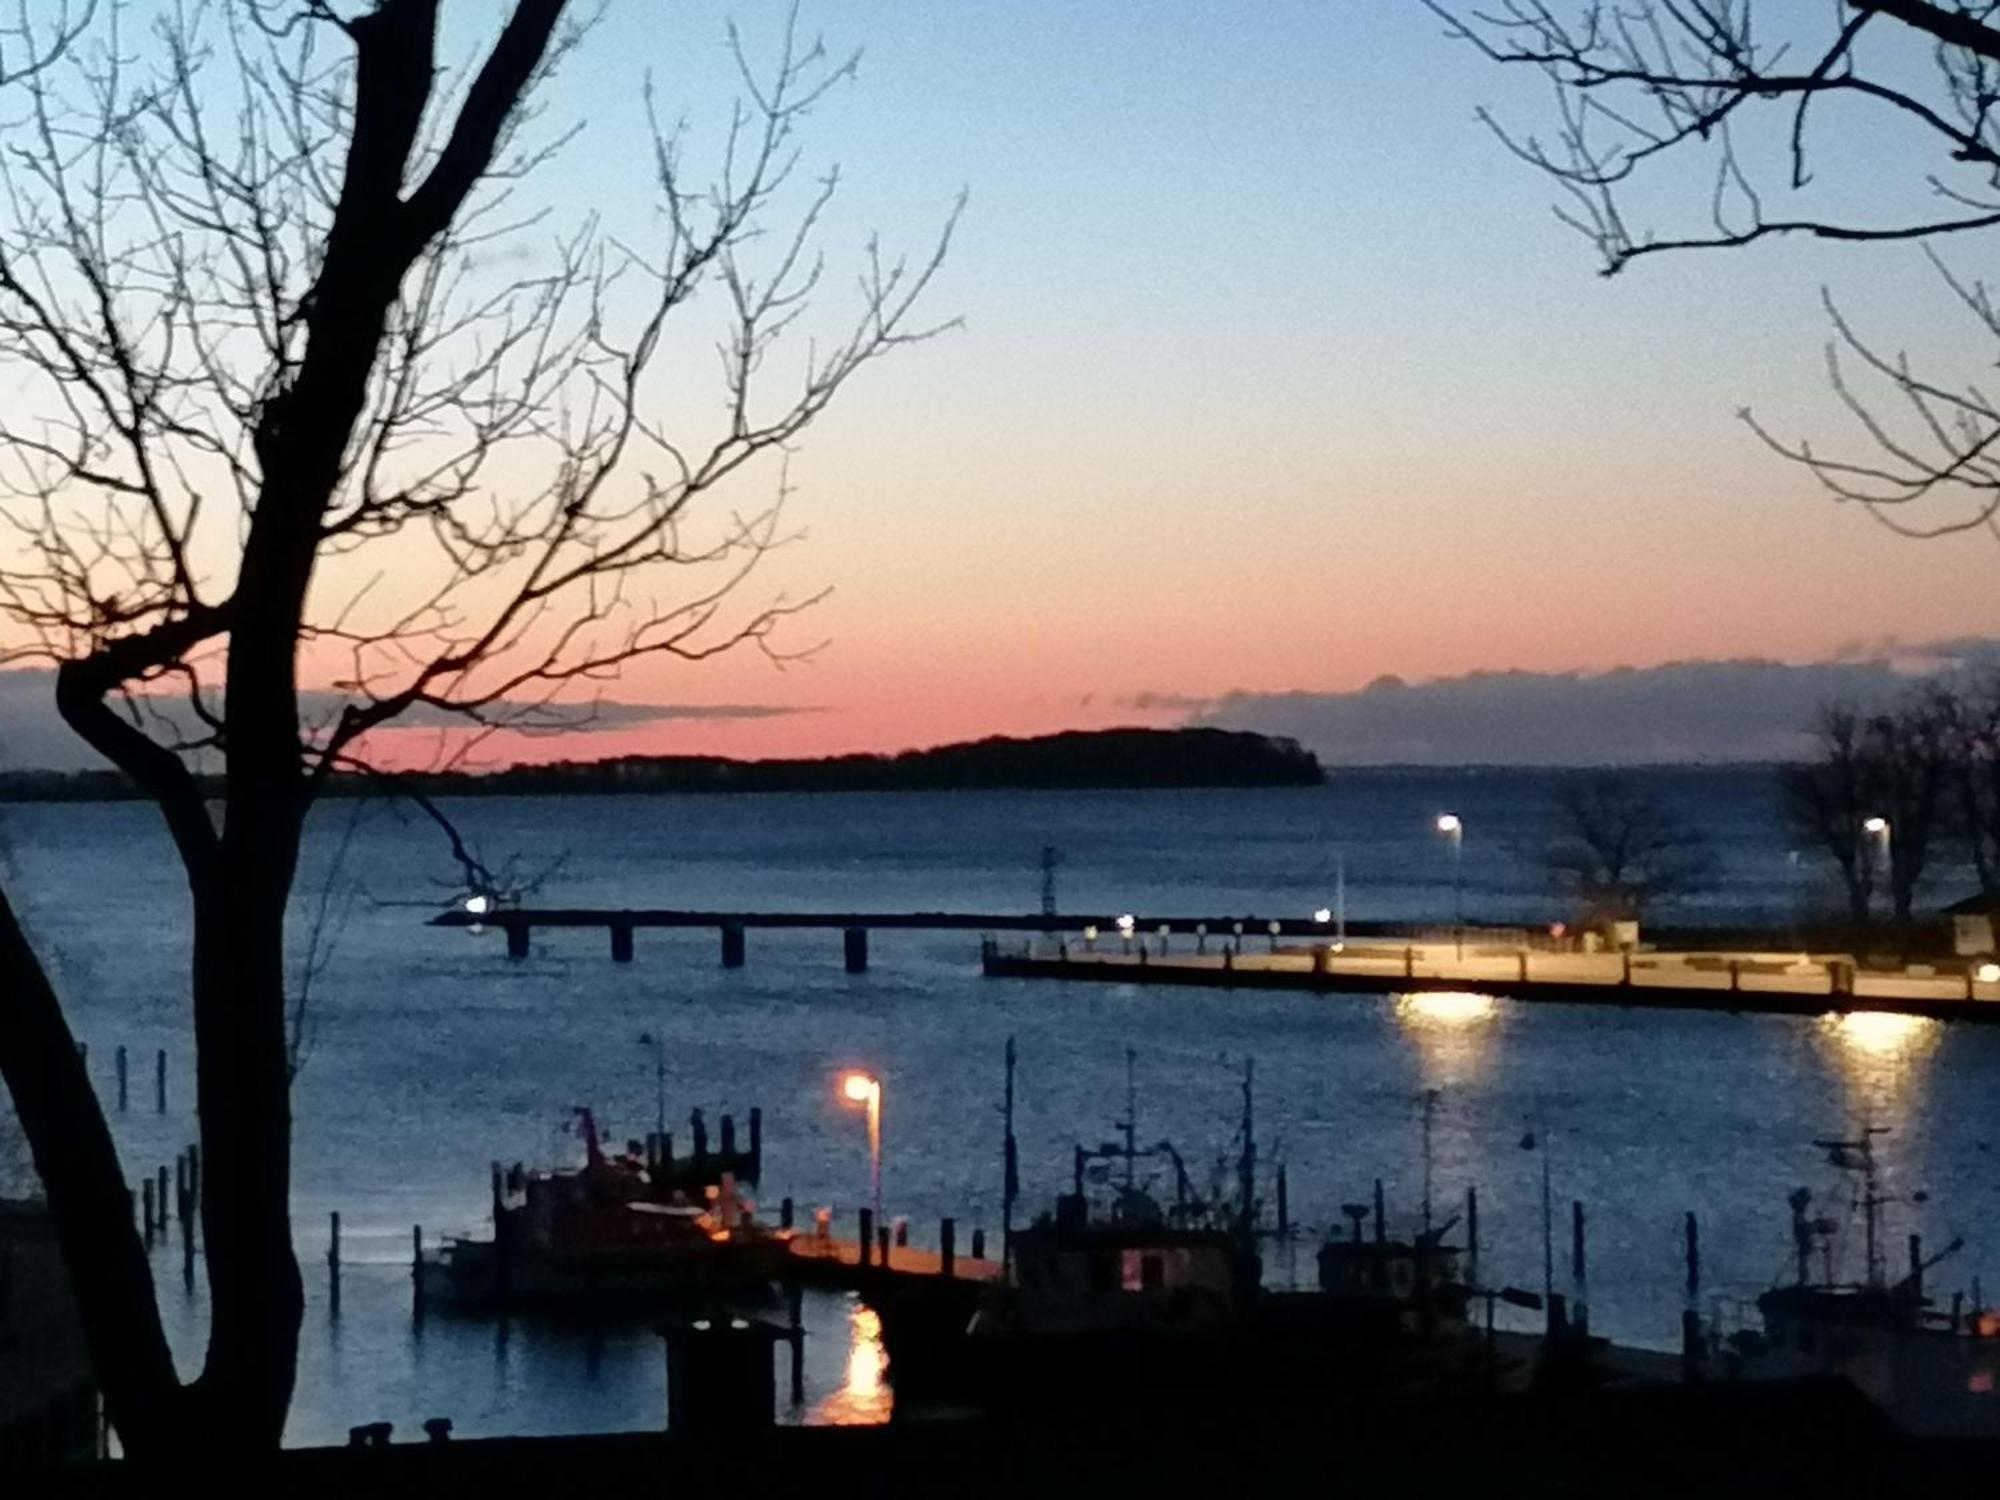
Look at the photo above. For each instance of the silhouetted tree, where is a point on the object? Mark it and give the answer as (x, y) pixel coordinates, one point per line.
(1970, 714)
(1645, 84)
(273, 330)
(1893, 766)
(1617, 848)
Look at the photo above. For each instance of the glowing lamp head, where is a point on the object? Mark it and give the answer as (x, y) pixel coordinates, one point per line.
(1323, 916)
(1876, 826)
(478, 906)
(859, 1087)
(1987, 973)
(1126, 924)
(1450, 823)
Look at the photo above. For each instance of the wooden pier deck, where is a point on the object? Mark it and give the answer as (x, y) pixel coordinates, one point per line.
(1782, 984)
(837, 1262)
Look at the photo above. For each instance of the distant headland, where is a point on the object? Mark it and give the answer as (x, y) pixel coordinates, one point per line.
(1079, 760)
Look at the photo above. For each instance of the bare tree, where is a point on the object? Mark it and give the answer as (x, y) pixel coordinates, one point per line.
(1751, 91)
(1970, 715)
(1617, 849)
(301, 388)
(1877, 786)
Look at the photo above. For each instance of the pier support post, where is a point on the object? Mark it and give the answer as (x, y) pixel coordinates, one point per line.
(621, 942)
(1409, 963)
(121, 1078)
(785, 1213)
(1626, 978)
(979, 1244)
(1472, 1236)
(756, 1143)
(729, 1135)
(948, 1247)
(1284, 1203)
(1381, 1226)
(1523, 976)
(732, 945)
(1321, 957)
(517, 939)
(160, 1195)
(160, 1085)
(1735, 975)
(867, 1246)
(333, 1265)
(856, 946)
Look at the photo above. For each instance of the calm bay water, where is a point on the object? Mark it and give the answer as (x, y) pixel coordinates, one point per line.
(432, 1054)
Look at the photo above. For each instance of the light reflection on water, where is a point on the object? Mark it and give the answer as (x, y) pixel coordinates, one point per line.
(1452, 1030)
(1882, 1059)
(865, 1398)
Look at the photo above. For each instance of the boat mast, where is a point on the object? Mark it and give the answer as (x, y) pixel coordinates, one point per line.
(1131, 1123)
(1010, 1182)
(1431, 1097)
(1247, 1168)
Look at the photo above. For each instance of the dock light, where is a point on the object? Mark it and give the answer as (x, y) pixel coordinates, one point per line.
(479, 906)
(865, 1088)
(1453, 828)
(1987, 973)
(1323, 916)
(1876, 826)
(1125, 924)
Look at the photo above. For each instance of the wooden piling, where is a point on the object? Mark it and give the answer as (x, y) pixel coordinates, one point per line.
(194, 1175)
(1381, 1219)
(146, 1203)
(1409, 963)
(417, 1270)
(1522, 973)
(1284, 1204)
(160, 1082)
(1472, 1236)
(621, 942)
(756, 1142)
(785, 1213)
(160, 1195)
(795, 1309)
(729, 1135)
(979, 1244)
(855, 946)
(1692, 1234)
(181, 1187)
(947, 1248)
(333, 1266)
(123, 1099)
(866, 1248)
(882, 1245)
(517, 940)
(1735, 974)
(732, 945)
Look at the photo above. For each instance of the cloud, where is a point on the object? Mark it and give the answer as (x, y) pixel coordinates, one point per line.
(1689, 711)
(34, 737)
(1176, 703)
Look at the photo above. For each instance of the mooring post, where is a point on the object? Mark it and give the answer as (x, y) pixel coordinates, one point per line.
(1322, 955)
(1523, 975)
(1381, 1226)
(1409, 962)
(882, 1244)
(856, 939)
(729, 1135)
(161, 1196)
(146, 1194)
(621, 942)
(785, 1213)
(979, 1244)
(1627, 977)
(1735, 974)
(160, 1082)
(121, 1078)
(194, 1175)
(732, 945)
(333, 1265)
(1472, 1236)
(795, 1310)
(947, 1247)
(756, 1142)
(517, 939)
(867, 1247)
(181, 1187)
(1284, 1203)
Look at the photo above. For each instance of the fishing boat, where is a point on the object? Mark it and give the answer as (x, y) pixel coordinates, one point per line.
(635, 1226)
(1933, 1368)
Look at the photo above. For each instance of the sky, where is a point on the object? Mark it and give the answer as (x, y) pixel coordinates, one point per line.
(1276, 375)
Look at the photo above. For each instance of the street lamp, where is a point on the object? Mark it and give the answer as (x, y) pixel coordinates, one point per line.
(1878, 829)
(1453, 827)
(864, 1088)
(659, 1046)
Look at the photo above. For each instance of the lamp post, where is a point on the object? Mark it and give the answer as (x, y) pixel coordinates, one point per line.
(1879, 830)
(1452, 826)
(864, 1088)
(659, 1046)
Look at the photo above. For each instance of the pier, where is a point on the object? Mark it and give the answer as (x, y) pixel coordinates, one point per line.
(1771, 983)
(732, 927)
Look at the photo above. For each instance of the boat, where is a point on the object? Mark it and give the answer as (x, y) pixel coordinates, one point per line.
(1932, 1368)
(634, 1226)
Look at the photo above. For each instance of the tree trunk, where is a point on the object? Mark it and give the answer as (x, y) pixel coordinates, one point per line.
(89, 1201)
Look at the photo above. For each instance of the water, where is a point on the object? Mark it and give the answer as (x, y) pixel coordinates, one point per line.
(432, 1054)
